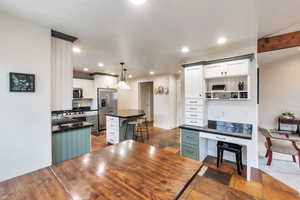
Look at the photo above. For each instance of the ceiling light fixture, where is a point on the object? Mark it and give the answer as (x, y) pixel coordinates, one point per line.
(129, 76)
(138, 2)
(122, 83)
(86, 69)
(151, 73)
(100, 64)
(222, 40)
(185, 49)
(76, 49)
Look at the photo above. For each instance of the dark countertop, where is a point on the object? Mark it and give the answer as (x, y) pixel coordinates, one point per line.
(58, 112)
(70, 126)
(221, 130)
(126, 113)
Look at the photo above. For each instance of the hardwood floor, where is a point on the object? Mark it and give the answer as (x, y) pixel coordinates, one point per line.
(214, 183)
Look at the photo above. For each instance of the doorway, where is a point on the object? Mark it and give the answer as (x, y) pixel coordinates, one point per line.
(146, 99)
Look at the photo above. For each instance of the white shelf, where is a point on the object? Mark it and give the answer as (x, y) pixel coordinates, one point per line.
(225, 91)
(230, 99)
(227, 99)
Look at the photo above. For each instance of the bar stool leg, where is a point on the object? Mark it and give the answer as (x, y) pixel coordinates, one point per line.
(241, 159)
(141, 133)
(218, 157)
(237, 162)
(222, 152)
(147, 130)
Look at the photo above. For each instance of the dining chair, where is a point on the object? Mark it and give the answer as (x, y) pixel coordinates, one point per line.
(279, 144)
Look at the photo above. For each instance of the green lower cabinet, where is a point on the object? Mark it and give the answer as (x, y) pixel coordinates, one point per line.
(190, 144)
(69, 144)
(126, 132)
(94, 120)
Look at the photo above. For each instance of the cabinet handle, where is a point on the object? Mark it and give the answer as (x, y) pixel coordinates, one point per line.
(194, 101)
(221, 138)
(193, 115)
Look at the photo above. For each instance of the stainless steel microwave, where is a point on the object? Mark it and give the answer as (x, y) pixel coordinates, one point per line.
(77, 93)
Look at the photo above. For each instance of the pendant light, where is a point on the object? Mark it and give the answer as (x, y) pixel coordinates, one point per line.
(122, 83)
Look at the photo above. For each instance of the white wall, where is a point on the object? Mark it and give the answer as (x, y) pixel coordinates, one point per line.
(25, 139)
(164, 105)
(279, 92)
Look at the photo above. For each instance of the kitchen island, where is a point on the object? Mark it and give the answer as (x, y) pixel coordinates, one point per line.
(70, 140)
(128, 170)
(117, 125)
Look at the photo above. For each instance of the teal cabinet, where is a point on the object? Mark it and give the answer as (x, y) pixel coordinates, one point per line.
(190, 144)
(71, 143)
(94, 120)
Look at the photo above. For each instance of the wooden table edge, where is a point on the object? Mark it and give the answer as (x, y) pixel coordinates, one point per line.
(188, 183)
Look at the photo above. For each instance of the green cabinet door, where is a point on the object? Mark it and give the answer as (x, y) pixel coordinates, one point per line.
(190, 144)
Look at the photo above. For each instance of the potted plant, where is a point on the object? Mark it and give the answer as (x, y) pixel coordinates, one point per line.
(288, 115)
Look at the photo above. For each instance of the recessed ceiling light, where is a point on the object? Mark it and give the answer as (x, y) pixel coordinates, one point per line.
(76, 49)
(85, 69)
(137, 2)
(100, 64)
(222, 40)
(185, 49)
(151, 73)
(179, 71)
(129, 76)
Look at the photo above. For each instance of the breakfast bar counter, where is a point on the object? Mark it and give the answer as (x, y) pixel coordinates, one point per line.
(117, 127)
(128, 170)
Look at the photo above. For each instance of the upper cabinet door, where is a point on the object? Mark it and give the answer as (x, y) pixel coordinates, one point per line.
(194, 82)
(214, 70)
(236, 68)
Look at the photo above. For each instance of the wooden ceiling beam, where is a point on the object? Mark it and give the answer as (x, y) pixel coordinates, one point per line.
(277, 42)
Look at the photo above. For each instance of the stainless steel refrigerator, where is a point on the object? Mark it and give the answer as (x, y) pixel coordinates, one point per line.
(107, 100)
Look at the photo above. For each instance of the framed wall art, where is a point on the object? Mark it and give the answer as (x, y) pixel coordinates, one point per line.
(19, 82)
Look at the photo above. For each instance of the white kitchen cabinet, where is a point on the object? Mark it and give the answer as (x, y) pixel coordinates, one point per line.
(236, 68)
(227, 69)
(112, 130)
(214, 70)
(87, 87)
(194, 82)
(194, 99)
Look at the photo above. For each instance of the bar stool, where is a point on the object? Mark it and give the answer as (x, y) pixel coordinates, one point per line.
(144, 125)
(138, 132)
(235, 148)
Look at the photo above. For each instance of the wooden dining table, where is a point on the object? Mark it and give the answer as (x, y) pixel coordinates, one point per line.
(125, 171)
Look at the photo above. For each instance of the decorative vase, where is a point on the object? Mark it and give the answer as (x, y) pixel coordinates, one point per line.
(241, 86)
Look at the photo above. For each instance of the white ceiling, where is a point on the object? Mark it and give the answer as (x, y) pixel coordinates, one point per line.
(277, 15)
(149, 37)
